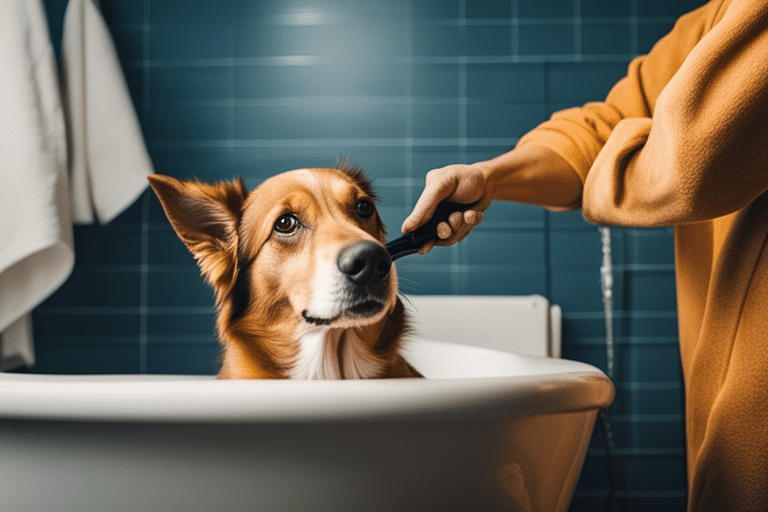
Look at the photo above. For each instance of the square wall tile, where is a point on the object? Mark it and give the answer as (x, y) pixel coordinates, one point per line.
(186, 123)
(438, 41)
(655, 8)
(327, 120)
(436, 121)
(535, 39)
(491, 9)
(99, 245)
(579, 83)
(191, 11)
(179, 287)
(184, 326)
(166, 248)
(93, 325)
(514, 214)
(88, 358)
(97, 288)
(651, 290)
(488, 40)
(606, 8)
(120, 13)
(435, 80)
(518, 248)
(576, 290)
(183, 358)
(575, 249)
(605, 38)
(173, 43)
(435, 9)
(653, 246)
(435, 281)
(494, 281)
(372, 38)
(425, 159)
(359, 79)
(506, 82)
(188, 83)
(503, 121)
(548, 9)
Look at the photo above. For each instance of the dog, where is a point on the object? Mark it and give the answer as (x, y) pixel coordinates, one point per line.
(304, 286)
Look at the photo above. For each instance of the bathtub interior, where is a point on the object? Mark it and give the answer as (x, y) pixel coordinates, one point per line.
(525, 324)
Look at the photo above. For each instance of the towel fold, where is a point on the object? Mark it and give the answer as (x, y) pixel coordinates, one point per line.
(38, 199)
(108, 159)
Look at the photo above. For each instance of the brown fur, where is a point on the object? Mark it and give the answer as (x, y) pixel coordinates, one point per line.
(266, 282)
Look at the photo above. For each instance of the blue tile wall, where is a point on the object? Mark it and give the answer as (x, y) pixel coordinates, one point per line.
(258, 87)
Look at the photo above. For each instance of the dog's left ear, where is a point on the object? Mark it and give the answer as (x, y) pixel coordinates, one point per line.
(205, 216)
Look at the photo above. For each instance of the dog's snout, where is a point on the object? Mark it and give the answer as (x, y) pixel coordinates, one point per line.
(364, 263)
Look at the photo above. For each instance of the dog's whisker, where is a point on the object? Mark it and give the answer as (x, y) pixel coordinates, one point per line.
(407, 285)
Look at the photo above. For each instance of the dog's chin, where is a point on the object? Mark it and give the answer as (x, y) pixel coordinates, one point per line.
(359, 314)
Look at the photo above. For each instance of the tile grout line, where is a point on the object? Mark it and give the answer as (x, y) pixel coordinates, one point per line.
(458, 275)
(577, 30)
(515, 28)
(409, 141)
(144, 279)
(633, 30)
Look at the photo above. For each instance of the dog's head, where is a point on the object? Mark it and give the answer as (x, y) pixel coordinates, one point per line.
(301, 254)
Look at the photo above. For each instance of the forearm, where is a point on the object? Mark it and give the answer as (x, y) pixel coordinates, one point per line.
(534, 175)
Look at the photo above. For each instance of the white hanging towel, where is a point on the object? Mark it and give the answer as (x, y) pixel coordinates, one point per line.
(108, 161)
(36, 253)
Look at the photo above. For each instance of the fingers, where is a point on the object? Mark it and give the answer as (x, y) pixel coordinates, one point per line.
(459, 183)
(427, 247)
(455, 230)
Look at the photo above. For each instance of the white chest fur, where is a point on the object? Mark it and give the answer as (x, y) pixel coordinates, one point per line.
(334, 353)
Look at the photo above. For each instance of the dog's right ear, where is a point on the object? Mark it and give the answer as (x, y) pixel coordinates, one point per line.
(205, 216)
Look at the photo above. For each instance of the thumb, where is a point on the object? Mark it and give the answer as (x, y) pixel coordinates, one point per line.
(425, 206)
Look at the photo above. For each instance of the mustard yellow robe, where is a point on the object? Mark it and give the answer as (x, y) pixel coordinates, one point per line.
(682, 141)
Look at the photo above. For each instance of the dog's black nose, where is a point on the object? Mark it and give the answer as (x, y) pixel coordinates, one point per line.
(364, 263)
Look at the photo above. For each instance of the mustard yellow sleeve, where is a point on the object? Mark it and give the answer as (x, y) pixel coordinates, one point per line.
(705, 152)
(579, 134)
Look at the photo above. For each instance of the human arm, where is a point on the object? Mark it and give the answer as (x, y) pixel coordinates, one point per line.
(682, 138)
(600, 140)
(705, 153)
(532, 174)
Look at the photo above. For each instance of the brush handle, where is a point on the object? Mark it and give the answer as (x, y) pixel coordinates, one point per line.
(410, 243)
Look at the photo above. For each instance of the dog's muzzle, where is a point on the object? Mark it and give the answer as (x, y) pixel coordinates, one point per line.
(361, 290)
(364, 263)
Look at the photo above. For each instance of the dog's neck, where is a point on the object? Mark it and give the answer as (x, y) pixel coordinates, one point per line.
(328, 353)
(321, 352)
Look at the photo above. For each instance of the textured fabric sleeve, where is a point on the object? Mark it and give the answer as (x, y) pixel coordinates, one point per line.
(579, 134)
(705, 153)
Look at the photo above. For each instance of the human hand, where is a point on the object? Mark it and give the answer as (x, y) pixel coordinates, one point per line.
(460, 184)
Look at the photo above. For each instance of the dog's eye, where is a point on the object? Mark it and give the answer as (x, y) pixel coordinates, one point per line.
(364, 208)
(287, 224)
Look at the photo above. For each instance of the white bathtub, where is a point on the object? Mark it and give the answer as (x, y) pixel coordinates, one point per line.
(486, 430)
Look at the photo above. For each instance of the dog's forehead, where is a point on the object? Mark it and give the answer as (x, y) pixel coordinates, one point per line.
(312, 182)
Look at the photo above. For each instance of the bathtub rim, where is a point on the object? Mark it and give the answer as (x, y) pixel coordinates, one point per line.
(556, 386)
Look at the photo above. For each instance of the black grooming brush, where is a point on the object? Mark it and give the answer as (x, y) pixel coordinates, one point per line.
(410, 243)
